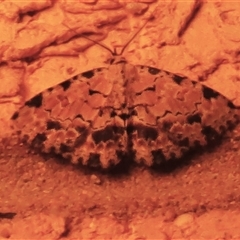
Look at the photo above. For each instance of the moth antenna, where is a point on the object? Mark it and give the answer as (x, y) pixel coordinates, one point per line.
(138, 31)
(98, 43)
(114, 53)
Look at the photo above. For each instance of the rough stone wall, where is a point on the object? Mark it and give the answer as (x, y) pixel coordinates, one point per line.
(41, 43)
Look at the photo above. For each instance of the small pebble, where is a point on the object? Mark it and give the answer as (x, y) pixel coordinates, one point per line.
(183, 220)
(95, 179)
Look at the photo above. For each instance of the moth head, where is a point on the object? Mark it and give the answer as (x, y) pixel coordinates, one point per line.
(116, 60)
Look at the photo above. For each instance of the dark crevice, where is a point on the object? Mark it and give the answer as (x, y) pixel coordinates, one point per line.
(21, 15)
(30, 59)
(190, 18)
(7, 215)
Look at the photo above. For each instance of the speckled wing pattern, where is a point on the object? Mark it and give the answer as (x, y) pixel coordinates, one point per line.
(99, 117)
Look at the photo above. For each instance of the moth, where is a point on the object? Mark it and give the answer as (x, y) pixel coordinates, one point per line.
(100, 117)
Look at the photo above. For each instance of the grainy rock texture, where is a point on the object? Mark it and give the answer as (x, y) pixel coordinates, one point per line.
(42, 46)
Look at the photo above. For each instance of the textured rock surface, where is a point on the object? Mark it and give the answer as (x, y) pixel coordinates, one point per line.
(40, 48)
